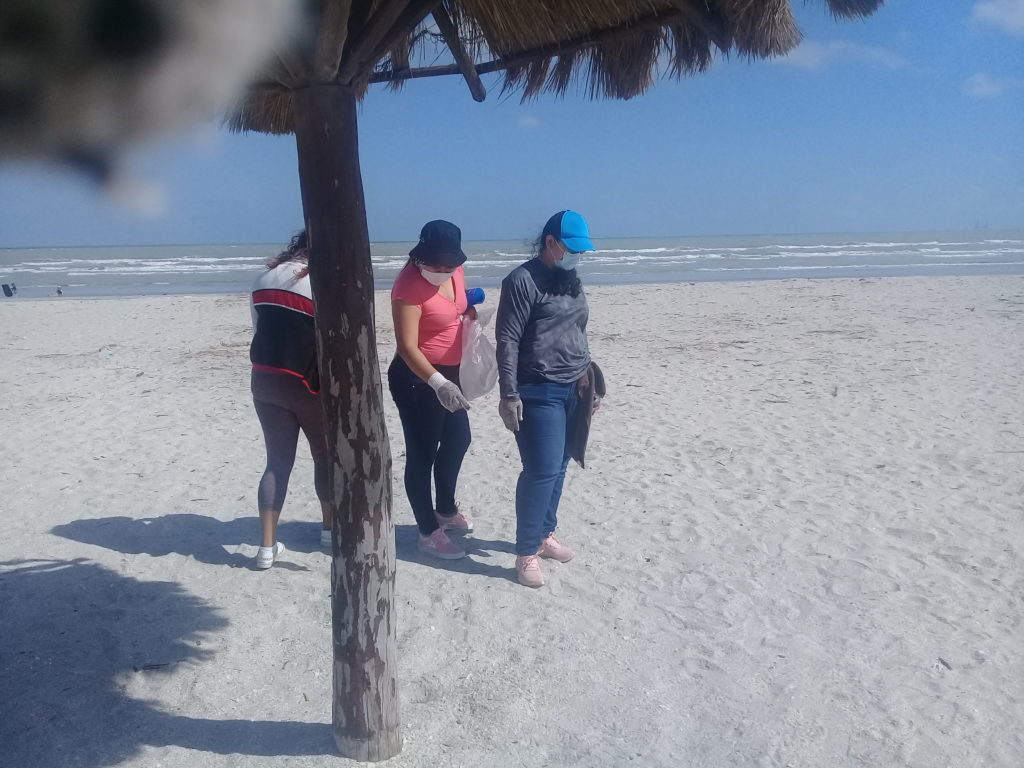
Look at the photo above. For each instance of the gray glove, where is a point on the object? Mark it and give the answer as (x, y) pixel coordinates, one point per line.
(511, 411)
(448, 393)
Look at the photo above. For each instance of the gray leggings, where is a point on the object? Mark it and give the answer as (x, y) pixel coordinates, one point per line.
(284, 406)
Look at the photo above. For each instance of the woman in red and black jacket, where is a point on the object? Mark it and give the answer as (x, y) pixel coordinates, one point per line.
(286, 388)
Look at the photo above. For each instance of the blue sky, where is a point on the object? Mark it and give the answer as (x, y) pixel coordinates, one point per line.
(912, 119)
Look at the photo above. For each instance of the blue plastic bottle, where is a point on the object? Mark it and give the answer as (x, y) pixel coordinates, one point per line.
(474, 296)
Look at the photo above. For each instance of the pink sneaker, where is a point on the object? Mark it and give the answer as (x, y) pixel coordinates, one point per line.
(528, 571)
(439, 545)
(553, 549)
(457, 523)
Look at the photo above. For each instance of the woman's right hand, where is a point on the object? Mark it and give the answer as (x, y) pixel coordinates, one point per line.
(448, 393)
(511, 411)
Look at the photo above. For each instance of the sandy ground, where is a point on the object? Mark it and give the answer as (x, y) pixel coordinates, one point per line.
(799, 544)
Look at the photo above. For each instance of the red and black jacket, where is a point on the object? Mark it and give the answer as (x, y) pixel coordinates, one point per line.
(285, 335)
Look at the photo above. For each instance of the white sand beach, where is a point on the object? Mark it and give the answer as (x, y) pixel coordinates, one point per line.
(800, 542)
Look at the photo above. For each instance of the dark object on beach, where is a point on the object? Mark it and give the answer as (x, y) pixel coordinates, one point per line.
(7, 290)
(80, 81)
(590, 389)
(60, 291)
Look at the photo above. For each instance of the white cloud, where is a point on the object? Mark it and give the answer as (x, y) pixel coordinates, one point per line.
(985, 86)
(1008, 15)
(528, 122)
(812, 55)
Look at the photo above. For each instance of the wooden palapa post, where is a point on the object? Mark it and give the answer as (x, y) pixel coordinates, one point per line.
(365, 711)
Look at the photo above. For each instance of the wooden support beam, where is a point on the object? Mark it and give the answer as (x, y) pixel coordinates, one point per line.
(359, 17)
(369, 37)
(393, 19)
(407, 22)
(331, 33)
(462, 58)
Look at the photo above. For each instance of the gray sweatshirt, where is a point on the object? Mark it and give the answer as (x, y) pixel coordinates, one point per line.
(541, 337)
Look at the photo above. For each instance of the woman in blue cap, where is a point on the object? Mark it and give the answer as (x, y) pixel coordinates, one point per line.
(542, 353)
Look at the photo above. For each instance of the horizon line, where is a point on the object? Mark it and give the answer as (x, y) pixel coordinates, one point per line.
(529, 240)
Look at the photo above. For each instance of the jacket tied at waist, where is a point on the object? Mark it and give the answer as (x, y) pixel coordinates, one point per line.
(590, 388)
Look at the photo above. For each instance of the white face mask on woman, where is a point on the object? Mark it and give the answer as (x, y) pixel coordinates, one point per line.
(435, 278)
(568, 262)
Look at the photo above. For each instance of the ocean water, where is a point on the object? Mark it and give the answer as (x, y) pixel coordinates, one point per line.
(179, 269)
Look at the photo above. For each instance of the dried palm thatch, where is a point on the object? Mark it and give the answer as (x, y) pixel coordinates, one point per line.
(611, 48)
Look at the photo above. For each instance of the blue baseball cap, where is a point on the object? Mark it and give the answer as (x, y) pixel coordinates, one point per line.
(571, 229)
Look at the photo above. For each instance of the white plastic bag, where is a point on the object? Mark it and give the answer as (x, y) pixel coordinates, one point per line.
(479, 370)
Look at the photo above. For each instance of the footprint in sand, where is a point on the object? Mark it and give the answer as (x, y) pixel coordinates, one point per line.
(843, 587)
(908, 534)
(699, 666)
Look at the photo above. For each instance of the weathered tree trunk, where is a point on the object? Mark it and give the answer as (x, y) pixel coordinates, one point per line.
(363, 570)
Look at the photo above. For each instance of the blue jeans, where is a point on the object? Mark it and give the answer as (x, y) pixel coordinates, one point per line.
(547, 410)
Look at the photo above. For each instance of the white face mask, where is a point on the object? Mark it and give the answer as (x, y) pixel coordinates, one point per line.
(568, 262)
(435, 278)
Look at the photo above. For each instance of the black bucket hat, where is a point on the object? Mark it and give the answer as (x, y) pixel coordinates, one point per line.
(440, 245)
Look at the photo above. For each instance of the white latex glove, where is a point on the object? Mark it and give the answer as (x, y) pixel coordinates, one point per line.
(511, 411)
(448, 393)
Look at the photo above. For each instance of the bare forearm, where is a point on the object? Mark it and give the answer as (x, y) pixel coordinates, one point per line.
(417, 362)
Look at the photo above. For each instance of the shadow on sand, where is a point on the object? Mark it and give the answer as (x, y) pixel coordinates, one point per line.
(204, 538)
(197, 536)
(72, 630)
(477, 563)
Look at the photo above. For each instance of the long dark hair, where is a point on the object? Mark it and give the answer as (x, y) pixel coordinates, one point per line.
(557, 282)
(297, 251)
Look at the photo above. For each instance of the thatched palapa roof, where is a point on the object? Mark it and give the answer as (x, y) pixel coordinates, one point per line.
(613, 48)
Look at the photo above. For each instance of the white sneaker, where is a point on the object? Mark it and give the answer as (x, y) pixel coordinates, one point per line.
(325, 538)
(267, 555)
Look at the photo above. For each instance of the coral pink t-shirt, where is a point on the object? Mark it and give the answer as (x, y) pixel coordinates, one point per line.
(440, 336)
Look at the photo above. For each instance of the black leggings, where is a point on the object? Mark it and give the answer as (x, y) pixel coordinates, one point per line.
(284, 406)
(435, 442)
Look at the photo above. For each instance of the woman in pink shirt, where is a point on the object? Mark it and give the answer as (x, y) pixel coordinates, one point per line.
(427, 303)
